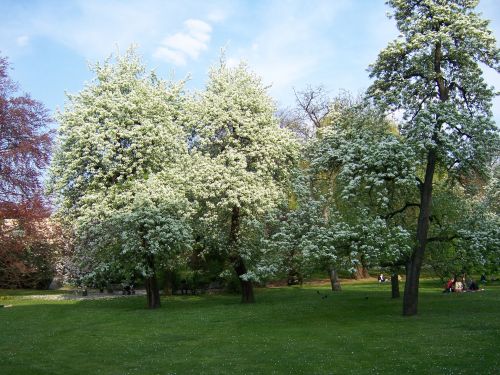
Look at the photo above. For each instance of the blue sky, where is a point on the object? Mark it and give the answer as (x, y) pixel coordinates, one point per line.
(290, 43)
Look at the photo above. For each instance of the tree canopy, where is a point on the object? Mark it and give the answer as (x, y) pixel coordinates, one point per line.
(241, 163)
(151, 177)
(25, 147)
(432, 74)
(117, 171)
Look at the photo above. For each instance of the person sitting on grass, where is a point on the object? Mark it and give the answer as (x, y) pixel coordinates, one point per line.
(473, 287)
(459, 287)
(449, 286)
(381, 278)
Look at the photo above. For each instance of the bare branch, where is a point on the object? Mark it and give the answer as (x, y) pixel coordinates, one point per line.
(314, 104)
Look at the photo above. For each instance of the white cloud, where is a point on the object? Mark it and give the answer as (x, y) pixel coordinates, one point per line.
(199, 29)
(166, 54)
(22, 41)
(290, 46)
(299, 45)
(190, 43)
(217, 15)
(95, 28)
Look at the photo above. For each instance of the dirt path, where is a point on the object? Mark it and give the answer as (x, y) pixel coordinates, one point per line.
(76, 295)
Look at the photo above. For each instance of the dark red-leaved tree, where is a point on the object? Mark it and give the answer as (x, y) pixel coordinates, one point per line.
(25, 144)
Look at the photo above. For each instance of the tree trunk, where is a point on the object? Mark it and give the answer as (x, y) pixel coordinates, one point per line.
(168, 287)
(395, 285)
(365, 272)
(410, 299)
(152, 290)
(334, 280)
(247, 295)
(361, 272)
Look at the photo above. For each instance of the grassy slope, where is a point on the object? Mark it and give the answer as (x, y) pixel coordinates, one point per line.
(288, 331)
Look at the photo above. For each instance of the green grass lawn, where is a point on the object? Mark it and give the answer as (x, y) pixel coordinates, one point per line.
(288, 331)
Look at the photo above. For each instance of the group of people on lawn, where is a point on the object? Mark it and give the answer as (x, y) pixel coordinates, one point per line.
(382, 279)
(454, 284)
(459, 285)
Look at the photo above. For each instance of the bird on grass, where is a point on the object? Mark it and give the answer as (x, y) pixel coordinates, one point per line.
(323, 296)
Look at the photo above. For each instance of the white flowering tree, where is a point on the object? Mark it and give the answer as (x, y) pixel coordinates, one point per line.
(298, 235)
(365, 172)
(115, 173)
(241, 164)
(432, 74)
(136, 229)
(355, 175)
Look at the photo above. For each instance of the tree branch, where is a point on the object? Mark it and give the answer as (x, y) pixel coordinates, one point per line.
(402, 209)
(442, 238)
